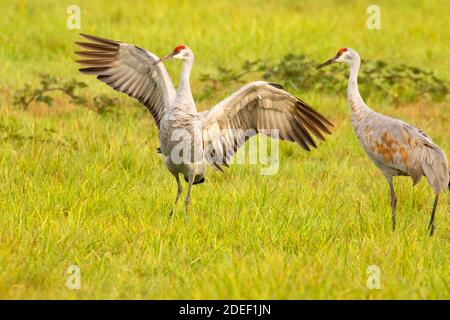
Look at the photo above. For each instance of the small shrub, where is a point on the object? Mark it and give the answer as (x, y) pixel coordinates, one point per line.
(72, 88)
(103, 104)
(47, 84)
(397, 84)
(225, 77)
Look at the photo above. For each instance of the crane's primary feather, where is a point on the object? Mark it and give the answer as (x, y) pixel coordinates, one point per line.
(128, 69)
(259, 107)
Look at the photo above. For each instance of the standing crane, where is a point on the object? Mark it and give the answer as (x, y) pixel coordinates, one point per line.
(211, 136)
(396, 148)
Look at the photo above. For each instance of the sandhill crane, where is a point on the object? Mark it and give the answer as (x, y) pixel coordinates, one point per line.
(214, 135)
(396, 148)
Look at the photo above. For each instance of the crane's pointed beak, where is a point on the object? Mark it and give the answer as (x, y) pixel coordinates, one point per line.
(330, 61)
(168, 57)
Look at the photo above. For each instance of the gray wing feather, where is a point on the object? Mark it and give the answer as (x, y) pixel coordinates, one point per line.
(395, 144)
(259, 107)
(129, 69)
(432, 159)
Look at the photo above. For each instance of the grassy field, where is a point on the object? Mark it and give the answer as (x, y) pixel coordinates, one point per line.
(81, 188)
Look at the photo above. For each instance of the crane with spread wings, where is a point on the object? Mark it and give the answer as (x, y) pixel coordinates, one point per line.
(207, 137)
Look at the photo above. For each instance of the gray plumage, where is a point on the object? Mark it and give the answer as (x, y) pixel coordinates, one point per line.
(213, 135)
(129, 69)
(396, 147)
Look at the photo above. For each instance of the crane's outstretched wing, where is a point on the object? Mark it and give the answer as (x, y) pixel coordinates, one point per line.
(259, 107)
(129, 69)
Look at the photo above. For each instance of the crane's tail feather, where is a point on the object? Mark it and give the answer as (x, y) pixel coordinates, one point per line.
(196, 181)
(435, 169)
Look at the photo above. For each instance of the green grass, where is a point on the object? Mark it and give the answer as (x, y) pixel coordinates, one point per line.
(80, 188)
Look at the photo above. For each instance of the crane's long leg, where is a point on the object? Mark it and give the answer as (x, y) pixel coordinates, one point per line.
(180, 189)
(188, 196)
(393, 201)
(433, 212)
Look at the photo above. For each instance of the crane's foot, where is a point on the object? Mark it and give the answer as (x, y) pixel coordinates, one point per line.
(393, 202)
(433, 212)
(187, 211)
(394, 224)
(431, 230)
(394, 212)
(179, 190)
(188, 196)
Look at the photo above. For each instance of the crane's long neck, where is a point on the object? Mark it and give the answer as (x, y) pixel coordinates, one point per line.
(356, 103)
(184, 94)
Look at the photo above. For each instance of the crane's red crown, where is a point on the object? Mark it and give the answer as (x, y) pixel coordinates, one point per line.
(342, 50)
(179, 48)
